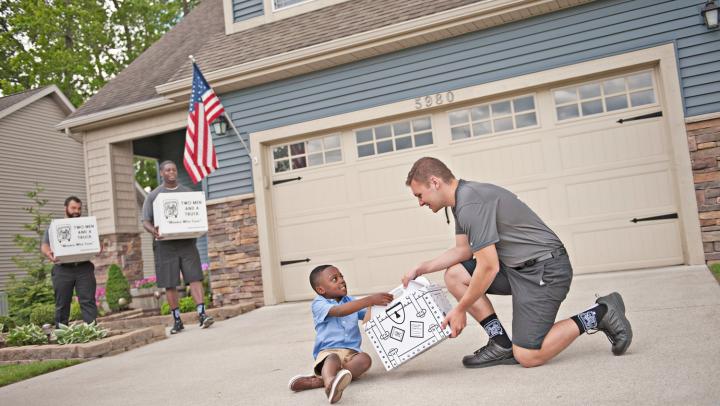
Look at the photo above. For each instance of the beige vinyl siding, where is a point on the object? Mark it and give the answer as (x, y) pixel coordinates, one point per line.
(120, 216)
(33, 151)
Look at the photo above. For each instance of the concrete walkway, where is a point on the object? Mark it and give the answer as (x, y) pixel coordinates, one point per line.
(247, 360)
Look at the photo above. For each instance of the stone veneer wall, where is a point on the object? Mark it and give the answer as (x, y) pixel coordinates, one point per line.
(122, 249)
(234, 252)
(704, 143)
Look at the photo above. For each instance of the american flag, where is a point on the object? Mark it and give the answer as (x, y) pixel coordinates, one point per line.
(205, 107)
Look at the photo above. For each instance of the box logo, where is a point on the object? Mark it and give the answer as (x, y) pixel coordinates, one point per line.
(63, 234)
(170, 209)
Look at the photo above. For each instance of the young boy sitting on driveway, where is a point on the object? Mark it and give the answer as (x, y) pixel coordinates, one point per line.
(338, 358)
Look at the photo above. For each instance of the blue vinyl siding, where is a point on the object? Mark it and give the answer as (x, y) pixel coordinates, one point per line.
(578, 34)
(247, 9)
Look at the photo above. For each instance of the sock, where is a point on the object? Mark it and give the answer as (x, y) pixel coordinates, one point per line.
(200, 308)
(590, 318)
(176, 314)
(495, 331)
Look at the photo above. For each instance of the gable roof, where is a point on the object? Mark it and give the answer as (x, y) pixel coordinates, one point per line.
(162, 73)
(14, 102)
(167, 59)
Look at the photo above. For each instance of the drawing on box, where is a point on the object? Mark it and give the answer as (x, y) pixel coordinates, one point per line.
(417, 329)
(170, 209)
(422, 312)
(396, 313)
(63, 233)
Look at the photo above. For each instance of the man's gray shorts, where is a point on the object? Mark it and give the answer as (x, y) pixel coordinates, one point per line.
(173, 256)
(537, 292)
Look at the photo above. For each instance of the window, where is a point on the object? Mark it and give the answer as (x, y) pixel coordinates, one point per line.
(280, 4)
(613, 94)
(302, 154)
(394, 137)
(491, 118)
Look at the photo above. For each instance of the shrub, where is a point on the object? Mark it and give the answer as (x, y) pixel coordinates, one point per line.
(75, 312)
(79, 333)
(42, 314)
(149, 282)
(117, 287)
(8, 324)
(28, 334)
(186, 305)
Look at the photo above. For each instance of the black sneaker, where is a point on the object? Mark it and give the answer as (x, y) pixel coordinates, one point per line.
(177, 327)
(206, 321)
(490, 355)
(614, 324)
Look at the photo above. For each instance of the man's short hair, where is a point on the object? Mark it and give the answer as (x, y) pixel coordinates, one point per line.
(72, 199)
(166, 162)
(315, 275)
(426, 167)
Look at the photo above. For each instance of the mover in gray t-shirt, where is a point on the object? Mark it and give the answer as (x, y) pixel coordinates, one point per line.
(503, 247)
(174, 256)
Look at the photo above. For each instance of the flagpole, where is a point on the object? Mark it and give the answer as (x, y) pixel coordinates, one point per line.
(229, 120)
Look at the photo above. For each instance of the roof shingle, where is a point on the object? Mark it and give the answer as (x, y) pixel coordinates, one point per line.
(166, 60)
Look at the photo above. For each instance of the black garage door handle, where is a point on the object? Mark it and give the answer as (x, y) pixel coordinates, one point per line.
(661, 217)
(294, 261)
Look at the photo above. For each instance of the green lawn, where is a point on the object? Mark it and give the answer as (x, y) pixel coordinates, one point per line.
(715, 269)
(18, 372)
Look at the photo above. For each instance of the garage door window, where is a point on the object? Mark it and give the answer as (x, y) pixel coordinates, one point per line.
(598, 97)
(302, 154)
(492, 118)
(394, 137)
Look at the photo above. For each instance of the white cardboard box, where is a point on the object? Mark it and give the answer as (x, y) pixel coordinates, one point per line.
(180, 215)
(74, 239)
(410, 324)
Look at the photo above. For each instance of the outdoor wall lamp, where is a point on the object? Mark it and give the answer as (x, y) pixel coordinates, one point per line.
(710, 14)
(220, 125)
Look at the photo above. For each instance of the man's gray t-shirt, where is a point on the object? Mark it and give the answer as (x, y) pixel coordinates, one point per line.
(489, 214)
(147, 210)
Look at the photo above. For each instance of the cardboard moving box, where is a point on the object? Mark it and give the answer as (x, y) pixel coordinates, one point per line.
(74, 239)
(180, 215)
(410, 324)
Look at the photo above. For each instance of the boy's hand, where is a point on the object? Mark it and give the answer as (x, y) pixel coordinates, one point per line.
(380, 299)
(409, 276)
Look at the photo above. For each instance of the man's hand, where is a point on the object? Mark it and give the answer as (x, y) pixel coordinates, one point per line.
(380, 299)
(156, 233)
(51, 256)
(457, 320)
(409, 276)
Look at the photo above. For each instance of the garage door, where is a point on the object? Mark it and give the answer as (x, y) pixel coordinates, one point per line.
(591, 158)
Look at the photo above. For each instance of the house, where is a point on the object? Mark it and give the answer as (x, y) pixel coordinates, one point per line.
(33, 151)
(602, 115)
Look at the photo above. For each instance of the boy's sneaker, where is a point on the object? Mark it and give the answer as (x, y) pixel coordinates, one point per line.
(206, 321)
(177, 327)
(614, 324)
(490, 355)
(341, 381)
(303, 382)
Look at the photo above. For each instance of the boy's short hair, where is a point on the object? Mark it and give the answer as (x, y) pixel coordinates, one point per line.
(426, 167)
(315, 275)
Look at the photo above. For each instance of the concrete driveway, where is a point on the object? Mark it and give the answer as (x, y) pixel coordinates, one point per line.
(247, 360)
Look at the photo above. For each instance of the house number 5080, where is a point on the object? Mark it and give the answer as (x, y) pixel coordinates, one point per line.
(434, 100)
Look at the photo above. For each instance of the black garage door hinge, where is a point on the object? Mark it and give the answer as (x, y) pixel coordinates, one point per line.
(642, 117)
(661, 217)
(277, 182)
(294, 261)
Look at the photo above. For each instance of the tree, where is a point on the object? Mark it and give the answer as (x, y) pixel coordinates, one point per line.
(35, 288)
(78, 44)
(146, 172)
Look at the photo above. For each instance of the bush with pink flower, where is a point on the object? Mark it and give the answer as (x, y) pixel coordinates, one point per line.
(149, 282)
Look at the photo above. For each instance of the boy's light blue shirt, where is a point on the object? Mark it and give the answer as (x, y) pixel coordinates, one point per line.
(335, 332)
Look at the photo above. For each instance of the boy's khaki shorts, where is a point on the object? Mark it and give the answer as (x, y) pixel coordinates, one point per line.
(345, 355)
